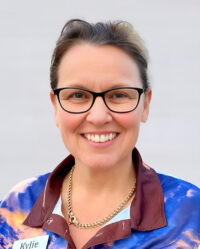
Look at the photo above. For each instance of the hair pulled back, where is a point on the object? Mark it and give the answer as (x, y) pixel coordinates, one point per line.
(120, 34)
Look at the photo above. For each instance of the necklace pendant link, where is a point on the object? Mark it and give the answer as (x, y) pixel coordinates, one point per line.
(72, 219)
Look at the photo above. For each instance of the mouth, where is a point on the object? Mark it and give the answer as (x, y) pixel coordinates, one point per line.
(101, 138)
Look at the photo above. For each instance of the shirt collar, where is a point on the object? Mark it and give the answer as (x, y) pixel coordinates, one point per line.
(147, 208)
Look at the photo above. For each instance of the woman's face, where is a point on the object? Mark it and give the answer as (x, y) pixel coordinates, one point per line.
(99, 68)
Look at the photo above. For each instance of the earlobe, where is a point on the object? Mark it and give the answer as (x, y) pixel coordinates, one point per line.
(147, 101)
(54, 103)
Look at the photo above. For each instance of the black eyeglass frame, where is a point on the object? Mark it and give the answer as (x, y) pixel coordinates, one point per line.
(98, 94)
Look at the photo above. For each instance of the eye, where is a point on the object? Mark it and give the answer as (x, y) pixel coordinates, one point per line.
(77, 95)
(119, 95)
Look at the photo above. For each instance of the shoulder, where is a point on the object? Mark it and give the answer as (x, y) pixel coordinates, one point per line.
(182, 205)
(24, 194)
(178, 191)
(174, 187)
(182, 210)
(15, 207)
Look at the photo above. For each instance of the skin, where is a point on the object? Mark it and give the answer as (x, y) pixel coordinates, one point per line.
(106, 170)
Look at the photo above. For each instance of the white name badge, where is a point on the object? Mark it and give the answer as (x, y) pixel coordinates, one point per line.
(32, 243)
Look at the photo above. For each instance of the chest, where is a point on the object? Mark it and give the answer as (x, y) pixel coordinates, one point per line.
(82, 236)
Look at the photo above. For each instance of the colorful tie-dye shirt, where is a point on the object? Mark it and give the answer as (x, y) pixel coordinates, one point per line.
(165, 213)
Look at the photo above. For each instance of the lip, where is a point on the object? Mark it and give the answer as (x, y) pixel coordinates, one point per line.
(99, 132)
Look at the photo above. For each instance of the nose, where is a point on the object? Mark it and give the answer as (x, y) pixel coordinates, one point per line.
(99, 113)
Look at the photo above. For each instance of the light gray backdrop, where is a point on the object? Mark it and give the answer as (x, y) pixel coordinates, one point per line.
(30, 143)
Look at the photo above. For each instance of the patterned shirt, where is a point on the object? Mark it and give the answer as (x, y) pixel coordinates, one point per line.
(165, 213)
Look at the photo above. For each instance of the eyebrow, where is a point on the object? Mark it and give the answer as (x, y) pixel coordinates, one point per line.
(130, 84)
(73, 85)
(117, 85)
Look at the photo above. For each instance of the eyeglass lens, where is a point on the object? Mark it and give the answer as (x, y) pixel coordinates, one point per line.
(118, 100)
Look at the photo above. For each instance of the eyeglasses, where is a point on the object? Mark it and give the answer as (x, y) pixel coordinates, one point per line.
(78, 100)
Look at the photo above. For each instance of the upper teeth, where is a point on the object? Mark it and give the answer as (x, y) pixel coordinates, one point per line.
(100, 138)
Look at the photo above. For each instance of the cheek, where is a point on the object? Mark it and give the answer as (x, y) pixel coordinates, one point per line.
(69, 123)
(130, 124)
(129, 121)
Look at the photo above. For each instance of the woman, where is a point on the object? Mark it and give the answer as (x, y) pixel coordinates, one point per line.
(102, 195)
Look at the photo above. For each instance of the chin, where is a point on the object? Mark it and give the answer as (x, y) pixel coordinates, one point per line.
(100, 162)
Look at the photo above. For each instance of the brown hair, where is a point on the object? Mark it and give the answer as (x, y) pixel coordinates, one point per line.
(119, 33)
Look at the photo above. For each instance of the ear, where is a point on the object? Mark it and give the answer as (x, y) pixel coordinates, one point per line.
(147, 100)
(55, 106)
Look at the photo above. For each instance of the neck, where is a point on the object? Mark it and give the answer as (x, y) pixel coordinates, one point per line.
(119, 178)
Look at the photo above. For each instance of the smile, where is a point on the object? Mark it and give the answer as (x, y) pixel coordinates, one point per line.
(100, 138)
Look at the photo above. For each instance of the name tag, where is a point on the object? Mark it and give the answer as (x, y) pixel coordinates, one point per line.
(32, 243)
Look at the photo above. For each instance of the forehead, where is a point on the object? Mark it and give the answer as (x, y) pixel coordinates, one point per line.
(106, 64)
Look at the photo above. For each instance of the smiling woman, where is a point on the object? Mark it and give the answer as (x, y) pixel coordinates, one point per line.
(103, 195)
(100, 68)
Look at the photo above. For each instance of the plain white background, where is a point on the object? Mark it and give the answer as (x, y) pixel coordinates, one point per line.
(30, 143)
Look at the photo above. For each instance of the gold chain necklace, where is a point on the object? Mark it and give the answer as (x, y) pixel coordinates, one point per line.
(72, 218)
